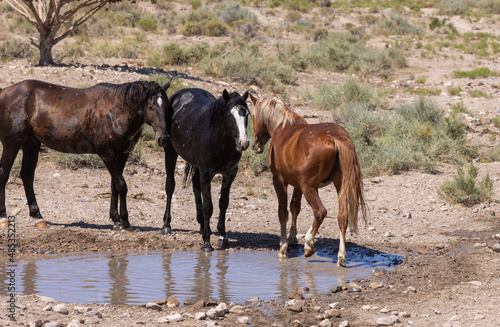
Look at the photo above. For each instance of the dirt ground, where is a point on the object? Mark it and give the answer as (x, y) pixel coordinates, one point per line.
(450, 274)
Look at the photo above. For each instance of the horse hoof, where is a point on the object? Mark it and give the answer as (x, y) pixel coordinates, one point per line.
(223, 243)
(40, 223)
(4, 222)
(207, 248)
(309, 252)
(117, 227)
(282, 256)
(166, 230)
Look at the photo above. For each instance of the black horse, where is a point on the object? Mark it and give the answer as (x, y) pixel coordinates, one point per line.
(209, 134)
(105, 119)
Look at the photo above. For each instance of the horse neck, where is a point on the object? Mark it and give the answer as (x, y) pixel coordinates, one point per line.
(278, 128)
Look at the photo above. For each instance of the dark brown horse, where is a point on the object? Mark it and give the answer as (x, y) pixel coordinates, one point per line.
(307, 157)
(105, 119)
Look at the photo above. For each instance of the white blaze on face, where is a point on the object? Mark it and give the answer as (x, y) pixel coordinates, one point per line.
(160, 102)
(240, 122)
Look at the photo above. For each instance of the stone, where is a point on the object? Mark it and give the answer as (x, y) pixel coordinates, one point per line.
(297, 323)
(51, 324)
(163, 320)
(379, 271)
(295, 305)
(253, 300)
(81, 309)
(479, 317)
(353, 290)
(385, 321)
(244, 320)
(46, 299)
(295, 295)
(224, 307)
(153, 306)
(61, 308)
(384, 310)
(93, 313)
(211, 323)
(389, 234)
(475, 283)
(325, 323)
(198, 305)
(215, 313)
(404, 314)
(74, 323)
(172, 302)
(366, 307)
(176, 317)
(47, 308)
(334, 305)
(395, 319)
(331, 313)
(375, 285)
(336, 289)
(237, 309)
(496, 247)
(497, 236)
(411, 289)
(200, 316)
(344, 323)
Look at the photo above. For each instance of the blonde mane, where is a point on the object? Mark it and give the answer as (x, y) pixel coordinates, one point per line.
(275, 112)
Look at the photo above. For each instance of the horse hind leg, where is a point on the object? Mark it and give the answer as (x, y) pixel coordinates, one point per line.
(319, 212)
(170, 161)
(30, 160)
(342, 219)
(294, 210)
(9, 154)
(281, 193)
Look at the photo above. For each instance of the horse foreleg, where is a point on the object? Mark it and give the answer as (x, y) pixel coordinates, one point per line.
(295, 210)
(207, 208)
(227, 181)
(9, 154)
(195, 180)
(115, 167)
(170, 161)
(30, 160)
(319, 212)
(280, 189)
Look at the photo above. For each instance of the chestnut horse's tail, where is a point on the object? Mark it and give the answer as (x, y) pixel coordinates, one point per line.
(351, 196)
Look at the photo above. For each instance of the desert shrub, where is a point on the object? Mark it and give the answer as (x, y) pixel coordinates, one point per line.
(464, 189)
(15, 49)
(76, 161)
(299, 5)
(454, 90)
(203, 22)
(490, 6)
(496, 121)
(396, 25)
(458, 108)
(415, 137)
(455, 7)
(173, 54)
(126, 48)
(351, 93)
(479, 94)
(21, 25)
(344, 52)
(247, 65)
(482, 72)
(147, 24)
(232, 13)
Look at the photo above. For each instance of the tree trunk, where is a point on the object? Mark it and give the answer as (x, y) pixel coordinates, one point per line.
(45, 47)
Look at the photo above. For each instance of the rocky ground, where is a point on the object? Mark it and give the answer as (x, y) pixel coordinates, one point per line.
(450, 274)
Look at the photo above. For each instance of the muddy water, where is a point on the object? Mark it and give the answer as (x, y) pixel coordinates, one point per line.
(138, 278)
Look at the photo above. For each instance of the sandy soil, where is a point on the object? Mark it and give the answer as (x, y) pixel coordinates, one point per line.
(450, 275)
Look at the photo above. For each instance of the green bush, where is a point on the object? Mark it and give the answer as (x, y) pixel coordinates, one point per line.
(207, 27)
(465, 190)
(482, 72)
(232, 13)
(344, 52)
(147, 24)
(350, 93)
(16, 49)
(416, 137)
(396, 25)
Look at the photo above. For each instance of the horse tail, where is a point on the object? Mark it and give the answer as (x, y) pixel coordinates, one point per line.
(188, 174)
(351, 191)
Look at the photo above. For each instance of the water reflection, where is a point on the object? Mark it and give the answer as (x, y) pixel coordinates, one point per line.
(138, 278)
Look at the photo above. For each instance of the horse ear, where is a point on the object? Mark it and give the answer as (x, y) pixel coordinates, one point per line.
(245, 95)
(166, 86)
(225, 95)
(253, 98)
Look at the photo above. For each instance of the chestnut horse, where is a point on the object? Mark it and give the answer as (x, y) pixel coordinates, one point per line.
(307, 157)
(105, 119)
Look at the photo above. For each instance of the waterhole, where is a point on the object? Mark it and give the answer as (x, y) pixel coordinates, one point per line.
(231, 276)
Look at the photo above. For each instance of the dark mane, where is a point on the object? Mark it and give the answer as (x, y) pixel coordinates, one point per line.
(134, 93)
(218, 107)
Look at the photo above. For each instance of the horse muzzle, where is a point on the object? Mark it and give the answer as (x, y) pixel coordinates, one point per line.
(162, 140)
(242, 145)
(257, 148)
